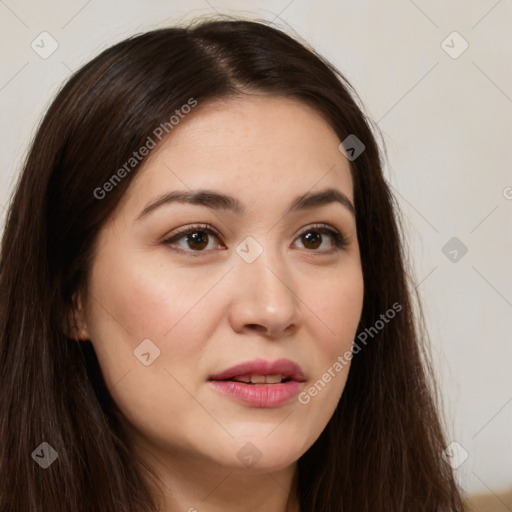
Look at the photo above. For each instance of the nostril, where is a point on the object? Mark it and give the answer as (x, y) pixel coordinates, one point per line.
(257, 327)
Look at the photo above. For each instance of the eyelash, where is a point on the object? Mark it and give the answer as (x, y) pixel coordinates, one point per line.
(340, 241)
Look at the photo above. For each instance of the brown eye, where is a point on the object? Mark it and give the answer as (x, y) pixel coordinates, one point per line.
(312, 240)
(322, 239)
(195, 239)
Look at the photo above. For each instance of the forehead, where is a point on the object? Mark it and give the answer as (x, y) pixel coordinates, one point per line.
(257, 123)
(245, 146)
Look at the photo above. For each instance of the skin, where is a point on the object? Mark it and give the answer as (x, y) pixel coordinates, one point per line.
(206, 313)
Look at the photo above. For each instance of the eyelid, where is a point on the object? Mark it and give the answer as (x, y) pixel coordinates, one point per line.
(197, 227)
(180, 232)
(316, 225)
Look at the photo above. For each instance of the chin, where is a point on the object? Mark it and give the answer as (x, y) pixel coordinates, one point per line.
(260, 453)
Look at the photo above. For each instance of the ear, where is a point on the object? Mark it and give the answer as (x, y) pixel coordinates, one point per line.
(75, 322)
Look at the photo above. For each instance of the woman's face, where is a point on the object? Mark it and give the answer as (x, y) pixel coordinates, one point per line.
(259, 272)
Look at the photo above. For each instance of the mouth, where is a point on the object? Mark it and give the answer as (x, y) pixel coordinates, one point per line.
(260, 383)
(278, 378)
(261, 371)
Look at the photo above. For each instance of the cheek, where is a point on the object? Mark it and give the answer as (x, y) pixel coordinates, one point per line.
(338, 305)
(137, 299)
(141, 309)
(338, 308)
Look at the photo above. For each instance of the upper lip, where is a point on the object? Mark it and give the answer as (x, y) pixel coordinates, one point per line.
(287, 368)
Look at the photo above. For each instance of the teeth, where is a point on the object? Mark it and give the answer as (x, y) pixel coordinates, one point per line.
(260, 379)
(243, 378)
(273, 379)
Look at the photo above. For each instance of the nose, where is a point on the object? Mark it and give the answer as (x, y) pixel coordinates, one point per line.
(264, 298)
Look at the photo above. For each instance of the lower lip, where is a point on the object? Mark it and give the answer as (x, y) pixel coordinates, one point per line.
(259, 395)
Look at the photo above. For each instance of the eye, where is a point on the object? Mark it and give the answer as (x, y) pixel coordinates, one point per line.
(199, 238)
(316, 238)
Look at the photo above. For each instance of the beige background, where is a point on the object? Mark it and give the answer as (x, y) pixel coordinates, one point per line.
(447, 126)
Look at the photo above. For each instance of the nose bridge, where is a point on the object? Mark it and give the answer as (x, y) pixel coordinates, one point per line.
(265, 295)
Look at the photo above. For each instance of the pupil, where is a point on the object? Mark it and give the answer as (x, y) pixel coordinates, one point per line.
(312, 238)
(199, 240)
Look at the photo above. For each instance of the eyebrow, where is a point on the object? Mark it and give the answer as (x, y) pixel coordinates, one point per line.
(217, 201)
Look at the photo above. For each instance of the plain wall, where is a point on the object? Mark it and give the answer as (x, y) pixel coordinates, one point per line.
(447, 127)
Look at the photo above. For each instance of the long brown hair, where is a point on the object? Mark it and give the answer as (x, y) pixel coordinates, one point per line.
(381, 450)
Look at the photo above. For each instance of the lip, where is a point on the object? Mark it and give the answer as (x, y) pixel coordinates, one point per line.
(286, 367)
(260, 395)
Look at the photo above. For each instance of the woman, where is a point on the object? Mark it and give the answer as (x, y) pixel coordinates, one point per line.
(204, 304)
